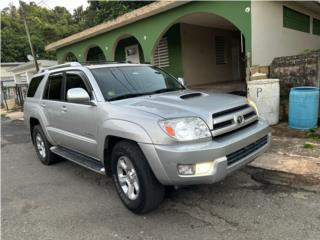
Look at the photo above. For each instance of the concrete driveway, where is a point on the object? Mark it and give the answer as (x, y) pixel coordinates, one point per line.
(66, 201)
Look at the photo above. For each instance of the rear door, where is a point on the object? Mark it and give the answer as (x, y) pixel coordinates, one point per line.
(78, 121)
(51, 103)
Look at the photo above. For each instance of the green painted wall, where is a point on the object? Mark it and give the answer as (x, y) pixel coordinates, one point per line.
(174, 46)
(148, 31)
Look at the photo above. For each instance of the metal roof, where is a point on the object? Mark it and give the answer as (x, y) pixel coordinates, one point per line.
(28, 65)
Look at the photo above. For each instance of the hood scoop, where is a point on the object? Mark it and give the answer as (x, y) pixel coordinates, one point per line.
(191, 95)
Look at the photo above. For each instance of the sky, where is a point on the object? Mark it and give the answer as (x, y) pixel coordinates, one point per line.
(69, 4)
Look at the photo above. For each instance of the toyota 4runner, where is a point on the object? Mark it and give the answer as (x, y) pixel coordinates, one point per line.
(140, 125)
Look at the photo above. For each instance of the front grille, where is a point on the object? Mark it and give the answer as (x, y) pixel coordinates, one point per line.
(233, 119)
(249, 115)
(232, 110)
(245, 151)
(235, 130)
(222, 124)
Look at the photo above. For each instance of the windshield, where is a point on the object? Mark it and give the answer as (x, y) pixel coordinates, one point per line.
(131, 81)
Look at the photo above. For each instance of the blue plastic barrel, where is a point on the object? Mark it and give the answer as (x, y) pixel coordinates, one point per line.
(303, 107)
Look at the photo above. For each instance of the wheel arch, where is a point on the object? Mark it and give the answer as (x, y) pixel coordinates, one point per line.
(32, 123)
(114, 131)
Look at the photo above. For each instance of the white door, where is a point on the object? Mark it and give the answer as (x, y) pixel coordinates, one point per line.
(132, 54)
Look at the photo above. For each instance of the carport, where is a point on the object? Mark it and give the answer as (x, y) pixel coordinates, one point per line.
(209, 50)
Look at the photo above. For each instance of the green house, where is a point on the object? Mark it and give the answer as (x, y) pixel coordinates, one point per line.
(207, 43)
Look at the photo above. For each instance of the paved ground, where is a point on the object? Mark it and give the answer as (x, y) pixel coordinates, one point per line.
(66, 201)
(293, 159)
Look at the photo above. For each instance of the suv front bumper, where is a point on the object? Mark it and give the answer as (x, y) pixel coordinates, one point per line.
(164, 159)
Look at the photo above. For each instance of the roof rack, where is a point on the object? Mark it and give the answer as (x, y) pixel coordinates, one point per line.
(70, 64)
(78, 64)
(102, 62)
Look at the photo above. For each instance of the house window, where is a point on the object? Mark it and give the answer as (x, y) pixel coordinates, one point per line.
(296, 20)
(220, 50)
(161, 54)
(316, 26)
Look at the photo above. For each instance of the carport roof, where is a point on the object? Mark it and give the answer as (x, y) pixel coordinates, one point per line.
(30, 65)
(133, 16)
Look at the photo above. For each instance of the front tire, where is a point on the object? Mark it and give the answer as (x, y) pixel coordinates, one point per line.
(42, 147)
(135, 182)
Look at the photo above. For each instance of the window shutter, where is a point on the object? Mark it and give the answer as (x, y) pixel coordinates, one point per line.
(316, 26)
(296, 20)
(161, 54)
(220, 50)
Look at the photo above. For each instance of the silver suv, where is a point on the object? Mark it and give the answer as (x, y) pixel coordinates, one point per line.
(140, 125)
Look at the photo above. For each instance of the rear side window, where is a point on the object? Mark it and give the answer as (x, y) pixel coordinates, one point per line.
(54, 88)
(33, 86)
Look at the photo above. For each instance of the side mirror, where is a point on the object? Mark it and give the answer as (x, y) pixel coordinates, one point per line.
(181, 81)
(78, 95)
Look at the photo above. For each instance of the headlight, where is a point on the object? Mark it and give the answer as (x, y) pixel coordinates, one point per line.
(252, 104)
(185, 129)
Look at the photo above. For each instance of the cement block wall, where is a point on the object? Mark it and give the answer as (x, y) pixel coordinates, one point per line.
(295, 71)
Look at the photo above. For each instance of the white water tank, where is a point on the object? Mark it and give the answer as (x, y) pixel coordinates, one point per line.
(265, 93)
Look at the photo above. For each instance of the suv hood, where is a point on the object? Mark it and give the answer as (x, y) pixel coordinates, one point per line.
(184, 103)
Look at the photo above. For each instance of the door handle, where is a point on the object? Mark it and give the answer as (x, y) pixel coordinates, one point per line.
(43, 105)
(63, 109)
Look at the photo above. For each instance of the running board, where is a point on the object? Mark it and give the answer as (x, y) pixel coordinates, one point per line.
(79, 159)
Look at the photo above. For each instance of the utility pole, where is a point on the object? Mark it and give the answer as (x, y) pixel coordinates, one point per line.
(28, 35)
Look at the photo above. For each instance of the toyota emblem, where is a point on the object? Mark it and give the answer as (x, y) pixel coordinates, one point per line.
(240, 119)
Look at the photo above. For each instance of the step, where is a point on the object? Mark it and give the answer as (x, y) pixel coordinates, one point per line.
(79, 159)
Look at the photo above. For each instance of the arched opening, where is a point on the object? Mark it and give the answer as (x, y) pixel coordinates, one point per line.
(70, 57)
(128, 49)
(206, 50)
(95, 54)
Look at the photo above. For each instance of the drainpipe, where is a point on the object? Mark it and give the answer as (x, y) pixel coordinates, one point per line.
(248, 64)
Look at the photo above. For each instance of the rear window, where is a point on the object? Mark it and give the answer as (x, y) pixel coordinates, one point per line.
(33, 86)
(54, 90)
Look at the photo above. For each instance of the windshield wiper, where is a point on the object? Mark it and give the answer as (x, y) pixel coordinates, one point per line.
(162, 90)
(127, 95)
(132, 95)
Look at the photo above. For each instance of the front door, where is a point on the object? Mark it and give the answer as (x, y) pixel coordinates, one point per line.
(51, 103)
(78, 121)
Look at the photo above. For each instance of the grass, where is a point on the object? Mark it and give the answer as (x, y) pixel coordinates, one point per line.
(3, 115)
(308, 146)
(313, 134)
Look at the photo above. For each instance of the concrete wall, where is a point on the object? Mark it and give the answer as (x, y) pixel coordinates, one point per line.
(198, 55)
(295, 71)
(270, 39)
(4, 71)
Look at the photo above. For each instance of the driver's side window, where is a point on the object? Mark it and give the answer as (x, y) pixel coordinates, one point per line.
(74, 80)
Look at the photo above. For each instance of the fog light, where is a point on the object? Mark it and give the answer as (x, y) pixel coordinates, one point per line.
(186, 169)
(203, 168)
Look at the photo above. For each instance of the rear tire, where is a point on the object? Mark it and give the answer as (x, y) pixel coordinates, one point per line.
(137, 187)
(42, 147)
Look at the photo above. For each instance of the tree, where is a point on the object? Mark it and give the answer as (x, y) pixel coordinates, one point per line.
(49, 25)
(101, 11)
